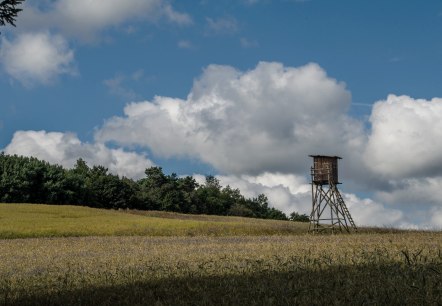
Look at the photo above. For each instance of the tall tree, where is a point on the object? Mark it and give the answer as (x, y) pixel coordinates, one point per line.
(8, 11)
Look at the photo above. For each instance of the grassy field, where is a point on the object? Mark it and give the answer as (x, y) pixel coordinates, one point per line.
(32, 221)
(402, 268)
(366, 269)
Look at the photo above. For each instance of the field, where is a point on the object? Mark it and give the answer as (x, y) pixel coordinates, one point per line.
(402, 268)
(32, 221)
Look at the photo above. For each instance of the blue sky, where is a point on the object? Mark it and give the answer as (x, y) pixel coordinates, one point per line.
(244, 89)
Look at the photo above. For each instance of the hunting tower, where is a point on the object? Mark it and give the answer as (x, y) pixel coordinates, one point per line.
(329, 212)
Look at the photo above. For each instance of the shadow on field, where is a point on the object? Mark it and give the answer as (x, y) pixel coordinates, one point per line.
(386, 284)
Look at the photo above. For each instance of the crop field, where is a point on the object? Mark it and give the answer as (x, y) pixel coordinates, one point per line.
(32, 221)
(400, 268)
(366, 269)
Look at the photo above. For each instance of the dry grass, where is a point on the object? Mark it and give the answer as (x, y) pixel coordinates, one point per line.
(28, 220)
(128, 259)
(398, 269)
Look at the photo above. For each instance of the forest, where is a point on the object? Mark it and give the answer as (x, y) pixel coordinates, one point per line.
(30, 180)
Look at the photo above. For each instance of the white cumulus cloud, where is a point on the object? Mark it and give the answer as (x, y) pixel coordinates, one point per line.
(85, 19)
(285, 192)
(37, 58)
(367, 212)
(65, 149)
(404, 138)
(267, 119)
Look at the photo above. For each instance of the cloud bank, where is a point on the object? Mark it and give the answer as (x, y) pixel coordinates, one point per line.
(266, 119)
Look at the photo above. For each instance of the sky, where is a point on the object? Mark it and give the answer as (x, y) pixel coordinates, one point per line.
(241, 89)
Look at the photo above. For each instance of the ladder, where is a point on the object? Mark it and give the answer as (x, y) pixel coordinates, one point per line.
(346, 211)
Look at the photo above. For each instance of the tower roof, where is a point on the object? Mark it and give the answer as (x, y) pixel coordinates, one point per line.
(326, 156)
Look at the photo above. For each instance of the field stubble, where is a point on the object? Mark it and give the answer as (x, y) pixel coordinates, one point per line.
(364, 269)
(38, 220)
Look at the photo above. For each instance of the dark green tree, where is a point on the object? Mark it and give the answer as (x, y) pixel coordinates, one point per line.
(259, 206)
(8, 11)
(240, 210)
(160, 192)
(294, 216)
(171, 197)
(78, 179)
(236, 203)
(187, 186)
(107, 190)
(29, 180)
(275, 214)
(209, 199)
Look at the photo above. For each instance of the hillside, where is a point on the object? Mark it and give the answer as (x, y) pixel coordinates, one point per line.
(38, 220)
(150, 257)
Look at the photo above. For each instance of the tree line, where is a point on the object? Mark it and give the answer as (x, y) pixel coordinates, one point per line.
(30, 180)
